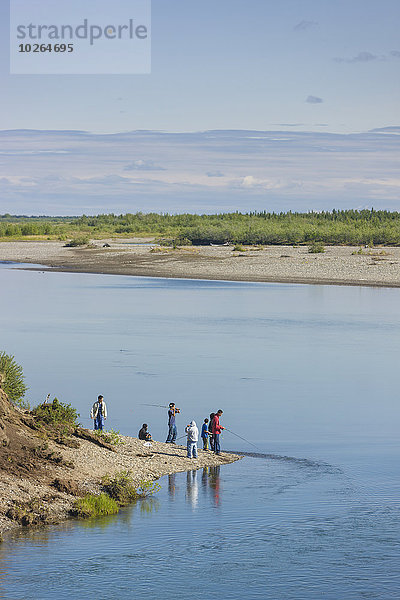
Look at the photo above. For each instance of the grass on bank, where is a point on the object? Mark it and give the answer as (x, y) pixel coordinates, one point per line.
(95, 506)
(119, 490)
(75, 242)
(123, 490)
(316, 248)
(110, 436)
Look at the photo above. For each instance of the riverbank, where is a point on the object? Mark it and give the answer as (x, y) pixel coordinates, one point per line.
(41, 478)
(338, 265)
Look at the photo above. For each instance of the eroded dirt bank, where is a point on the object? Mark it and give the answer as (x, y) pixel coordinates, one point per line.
(40, 478)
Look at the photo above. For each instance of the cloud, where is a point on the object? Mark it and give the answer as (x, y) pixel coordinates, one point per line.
(259, 184)
(31, 152)
(250, 181)
(103, 180)
(206, 171)
(314, 100)
(143, 165)
(215, 174)
(395, 53)
(303, 25)
(361, 57)
(392, 129)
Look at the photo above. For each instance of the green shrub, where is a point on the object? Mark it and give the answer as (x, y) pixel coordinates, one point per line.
(239, 248)
(78, 241)
(316, 248)
(182, 241)
(147, 488)
(123, 490)
(12, 380)
(110, 436)
(94, 506)
(120, 487)
(56, 413)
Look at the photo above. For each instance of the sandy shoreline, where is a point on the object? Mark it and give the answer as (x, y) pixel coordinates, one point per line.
(339, 265)
(82, 469)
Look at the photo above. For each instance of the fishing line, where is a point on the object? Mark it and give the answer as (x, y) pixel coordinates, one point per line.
(242, 438)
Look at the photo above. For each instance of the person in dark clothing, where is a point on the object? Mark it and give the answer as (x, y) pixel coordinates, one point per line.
(144, 434)
(211, 437)
(172, 431)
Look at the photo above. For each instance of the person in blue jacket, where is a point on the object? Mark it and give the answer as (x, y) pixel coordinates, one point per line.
(204, 434)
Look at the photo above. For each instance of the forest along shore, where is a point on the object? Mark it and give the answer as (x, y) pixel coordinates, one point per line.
(337, 265)
(41, 476)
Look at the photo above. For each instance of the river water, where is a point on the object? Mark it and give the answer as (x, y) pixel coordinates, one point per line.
(308, 375)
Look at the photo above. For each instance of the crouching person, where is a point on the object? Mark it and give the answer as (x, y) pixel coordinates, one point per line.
(144, 434)
(192, 437)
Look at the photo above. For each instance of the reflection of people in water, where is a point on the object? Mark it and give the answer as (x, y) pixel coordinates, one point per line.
(192, 489)
(171, 485)
(214, 483)
(204, 478)
(210, 482)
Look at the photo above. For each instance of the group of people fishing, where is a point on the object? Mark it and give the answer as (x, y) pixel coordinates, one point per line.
(210, 431)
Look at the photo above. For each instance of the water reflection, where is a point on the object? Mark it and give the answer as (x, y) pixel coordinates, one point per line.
(172, 485)
(214, 483)
(99, 522)
(192, 489)
(208, 482)
(149, 505)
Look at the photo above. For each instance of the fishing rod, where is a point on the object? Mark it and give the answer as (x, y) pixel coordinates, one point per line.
(233, 433)
(178, 410)
(242, 438)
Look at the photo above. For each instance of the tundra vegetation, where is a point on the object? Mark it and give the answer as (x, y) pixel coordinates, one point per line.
(336, 227)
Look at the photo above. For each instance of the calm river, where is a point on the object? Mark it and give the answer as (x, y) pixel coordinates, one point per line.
(307, 374)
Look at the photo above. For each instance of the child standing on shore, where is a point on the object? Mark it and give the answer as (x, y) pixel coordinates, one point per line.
(192, 438)
(204, 434)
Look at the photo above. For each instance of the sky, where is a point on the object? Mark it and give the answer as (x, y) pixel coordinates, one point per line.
(306, 67)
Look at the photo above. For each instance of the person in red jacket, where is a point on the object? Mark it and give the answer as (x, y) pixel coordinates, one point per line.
(216, 431)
